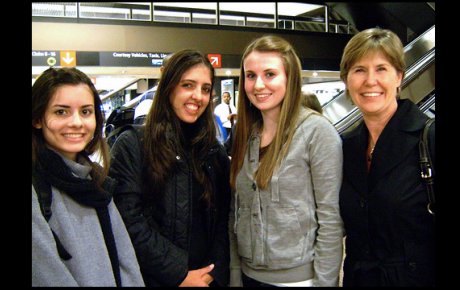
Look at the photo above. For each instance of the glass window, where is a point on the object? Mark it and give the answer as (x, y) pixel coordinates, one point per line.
(170, 16)
(184, 12)
(54, 9)
(274, 15)
(255, 14)
(300, 9)
(115, 10)
(301, 16)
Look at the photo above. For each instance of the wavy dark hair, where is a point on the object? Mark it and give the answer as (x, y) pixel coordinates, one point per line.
(164, 136)
(43, 90)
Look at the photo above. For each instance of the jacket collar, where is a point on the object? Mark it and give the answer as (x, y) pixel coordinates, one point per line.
(397, 139)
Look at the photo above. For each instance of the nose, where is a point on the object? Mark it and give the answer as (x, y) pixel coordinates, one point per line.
(197, 94)
(371, 78)
(259, 83)
(76, 119)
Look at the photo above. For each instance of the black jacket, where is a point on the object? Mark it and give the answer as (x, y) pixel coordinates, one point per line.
(160, 226)
(390, 236)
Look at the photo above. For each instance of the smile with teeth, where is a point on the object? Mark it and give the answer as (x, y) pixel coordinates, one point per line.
(262, 96)
(192, 107)
(371, 94)
(73, 135)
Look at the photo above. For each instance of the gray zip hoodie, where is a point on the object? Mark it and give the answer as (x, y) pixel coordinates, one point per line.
(292, 231)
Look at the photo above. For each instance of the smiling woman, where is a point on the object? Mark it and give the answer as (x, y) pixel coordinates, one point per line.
(175, 172)
(85, 242)
(69, 122)
(191, 97)
(286, 227)
(382, 187)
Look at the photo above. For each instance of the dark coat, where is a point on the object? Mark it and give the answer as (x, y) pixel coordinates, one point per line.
(390, 238)
(160, 227)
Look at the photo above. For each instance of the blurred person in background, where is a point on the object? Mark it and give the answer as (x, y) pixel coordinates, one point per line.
(226, 112)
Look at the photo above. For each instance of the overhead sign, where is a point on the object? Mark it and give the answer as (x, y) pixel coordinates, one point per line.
(54, 58)
(45, 58)
(215, 59)
(72, 58)
(116, 58)
(68, 58)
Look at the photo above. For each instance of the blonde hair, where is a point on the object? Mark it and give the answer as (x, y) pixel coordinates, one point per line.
(250, 118)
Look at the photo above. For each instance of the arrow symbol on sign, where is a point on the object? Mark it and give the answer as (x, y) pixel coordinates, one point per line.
(214, 60)
(67, 58)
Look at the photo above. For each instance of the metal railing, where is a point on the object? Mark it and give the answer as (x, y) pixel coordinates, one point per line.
(318, 19)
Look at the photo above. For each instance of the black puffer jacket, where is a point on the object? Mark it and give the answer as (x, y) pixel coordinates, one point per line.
(160, 227)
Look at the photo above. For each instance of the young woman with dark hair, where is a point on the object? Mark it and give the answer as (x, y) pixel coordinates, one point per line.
(173, 189)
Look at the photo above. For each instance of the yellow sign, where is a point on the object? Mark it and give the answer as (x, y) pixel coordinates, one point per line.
(68, 58)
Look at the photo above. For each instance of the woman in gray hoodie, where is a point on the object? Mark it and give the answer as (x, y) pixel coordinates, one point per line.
(286, 172)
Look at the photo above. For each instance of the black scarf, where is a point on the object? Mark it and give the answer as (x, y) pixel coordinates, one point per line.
(52, 169)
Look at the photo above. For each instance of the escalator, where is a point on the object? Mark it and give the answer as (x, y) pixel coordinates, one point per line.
(418, 84)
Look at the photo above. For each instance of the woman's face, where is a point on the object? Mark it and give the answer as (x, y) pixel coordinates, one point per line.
(69, 122)
(265, 80)
(191, 96)
(372, 83)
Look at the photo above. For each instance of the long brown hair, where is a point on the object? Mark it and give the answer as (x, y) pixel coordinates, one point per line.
(43, 90)
(250, 118)
(164, 138)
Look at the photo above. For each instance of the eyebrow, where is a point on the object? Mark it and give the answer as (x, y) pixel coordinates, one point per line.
(192, 81)
(380, 64)
(67, 106)
(265, 70)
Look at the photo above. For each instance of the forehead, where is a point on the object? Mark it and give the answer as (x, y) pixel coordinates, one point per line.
(373, 57)
(198, 72)
(70, 93)
(263, 60)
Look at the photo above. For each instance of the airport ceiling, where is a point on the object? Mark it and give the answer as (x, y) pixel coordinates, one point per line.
(407, 20)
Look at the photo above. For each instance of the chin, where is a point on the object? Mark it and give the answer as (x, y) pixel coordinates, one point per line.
(75, 148)
(189, 120)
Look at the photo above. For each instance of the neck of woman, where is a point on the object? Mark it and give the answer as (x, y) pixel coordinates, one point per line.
(189, 131)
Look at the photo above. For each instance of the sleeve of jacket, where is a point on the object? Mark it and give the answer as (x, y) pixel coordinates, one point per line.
(161, 262)
(326, 169)
(220, 247)
(235, 262)
(48, 269)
